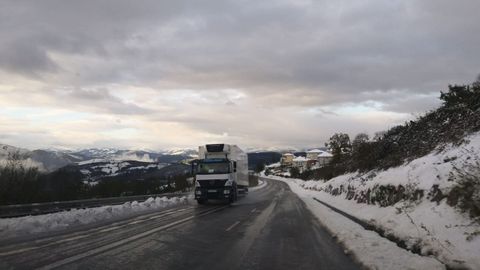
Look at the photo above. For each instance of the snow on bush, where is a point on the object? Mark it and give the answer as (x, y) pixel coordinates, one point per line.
(62, 220)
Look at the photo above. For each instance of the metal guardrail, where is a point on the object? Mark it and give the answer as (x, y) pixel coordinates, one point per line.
(19, 210)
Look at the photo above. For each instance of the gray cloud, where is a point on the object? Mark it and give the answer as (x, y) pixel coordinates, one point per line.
(26, 58)
(102, 99)
(319, 47)
(305, 55)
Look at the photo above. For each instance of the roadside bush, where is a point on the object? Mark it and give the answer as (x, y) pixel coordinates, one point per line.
(466, 193)
(62, 185)
(458, 116)
(295, 172)
(18, 183)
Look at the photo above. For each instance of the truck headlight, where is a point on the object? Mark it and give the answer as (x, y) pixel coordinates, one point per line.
(229, 183)
(198, 192)
(197, 184)
(226, 191)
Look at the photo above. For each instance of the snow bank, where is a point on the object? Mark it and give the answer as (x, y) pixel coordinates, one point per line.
(430, 225)
(260, 185)
(62, 220)
(437, 229)
(273, 165)
(367, 247)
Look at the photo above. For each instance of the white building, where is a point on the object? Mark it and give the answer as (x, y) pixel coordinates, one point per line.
(314, 153)
(300, 163)
(318, 158)
(324, 158)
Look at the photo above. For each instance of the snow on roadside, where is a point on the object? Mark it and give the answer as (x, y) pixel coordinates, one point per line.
(62, 220)
(260, 185)
(367, 247)
(437, 229)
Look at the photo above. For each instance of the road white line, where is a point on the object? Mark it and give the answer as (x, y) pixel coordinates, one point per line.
(253, 210)
(119, 224)
(69, 239)
(166, 214)
(79, 235)
(232, 226)
(111, 228)
(12, 252)
(136, 222)
(17, 251)
(238, 251)
(123, 241)
(143, 220)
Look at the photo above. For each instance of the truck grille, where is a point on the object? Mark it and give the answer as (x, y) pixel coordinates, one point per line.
(212, 183)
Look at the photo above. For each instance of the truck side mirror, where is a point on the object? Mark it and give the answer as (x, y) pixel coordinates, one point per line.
(234, 166)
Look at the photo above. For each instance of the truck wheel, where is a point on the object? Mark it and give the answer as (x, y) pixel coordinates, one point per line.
(233, 197)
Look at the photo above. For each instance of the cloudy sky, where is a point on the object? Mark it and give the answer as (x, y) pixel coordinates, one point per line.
(283, 73)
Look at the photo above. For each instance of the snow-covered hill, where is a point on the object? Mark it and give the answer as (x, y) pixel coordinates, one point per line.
(52, 159)
(6, 149)
(98, 169)
(180, 152)
(107, 154)
(430, 204)
(6, 152)
(94, 171)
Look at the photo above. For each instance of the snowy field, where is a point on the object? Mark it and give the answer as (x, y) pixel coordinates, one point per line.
(63, 220)
(439, 232)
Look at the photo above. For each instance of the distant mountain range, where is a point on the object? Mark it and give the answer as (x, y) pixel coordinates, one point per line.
(50, 160)
(265, 158)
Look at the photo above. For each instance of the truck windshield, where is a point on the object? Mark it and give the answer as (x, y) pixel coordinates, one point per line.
(209, 168)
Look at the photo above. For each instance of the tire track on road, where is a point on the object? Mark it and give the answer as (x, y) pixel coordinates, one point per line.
(113, 245)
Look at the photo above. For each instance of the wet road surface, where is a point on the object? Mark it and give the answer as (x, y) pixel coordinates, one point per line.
(270, 228)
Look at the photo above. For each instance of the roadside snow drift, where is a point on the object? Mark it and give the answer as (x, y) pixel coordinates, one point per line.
(62, 220)
(367, 247)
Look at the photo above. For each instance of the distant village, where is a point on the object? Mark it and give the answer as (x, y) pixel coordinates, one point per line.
(312, 159)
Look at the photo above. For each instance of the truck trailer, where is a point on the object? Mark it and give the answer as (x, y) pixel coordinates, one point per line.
(221, 173)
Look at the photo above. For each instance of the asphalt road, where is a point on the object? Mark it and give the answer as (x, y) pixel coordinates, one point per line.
(270, 228)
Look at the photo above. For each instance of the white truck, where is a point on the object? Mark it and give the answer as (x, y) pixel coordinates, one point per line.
(221, 173)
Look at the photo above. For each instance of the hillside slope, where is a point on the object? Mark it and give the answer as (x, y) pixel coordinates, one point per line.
(430, 203)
